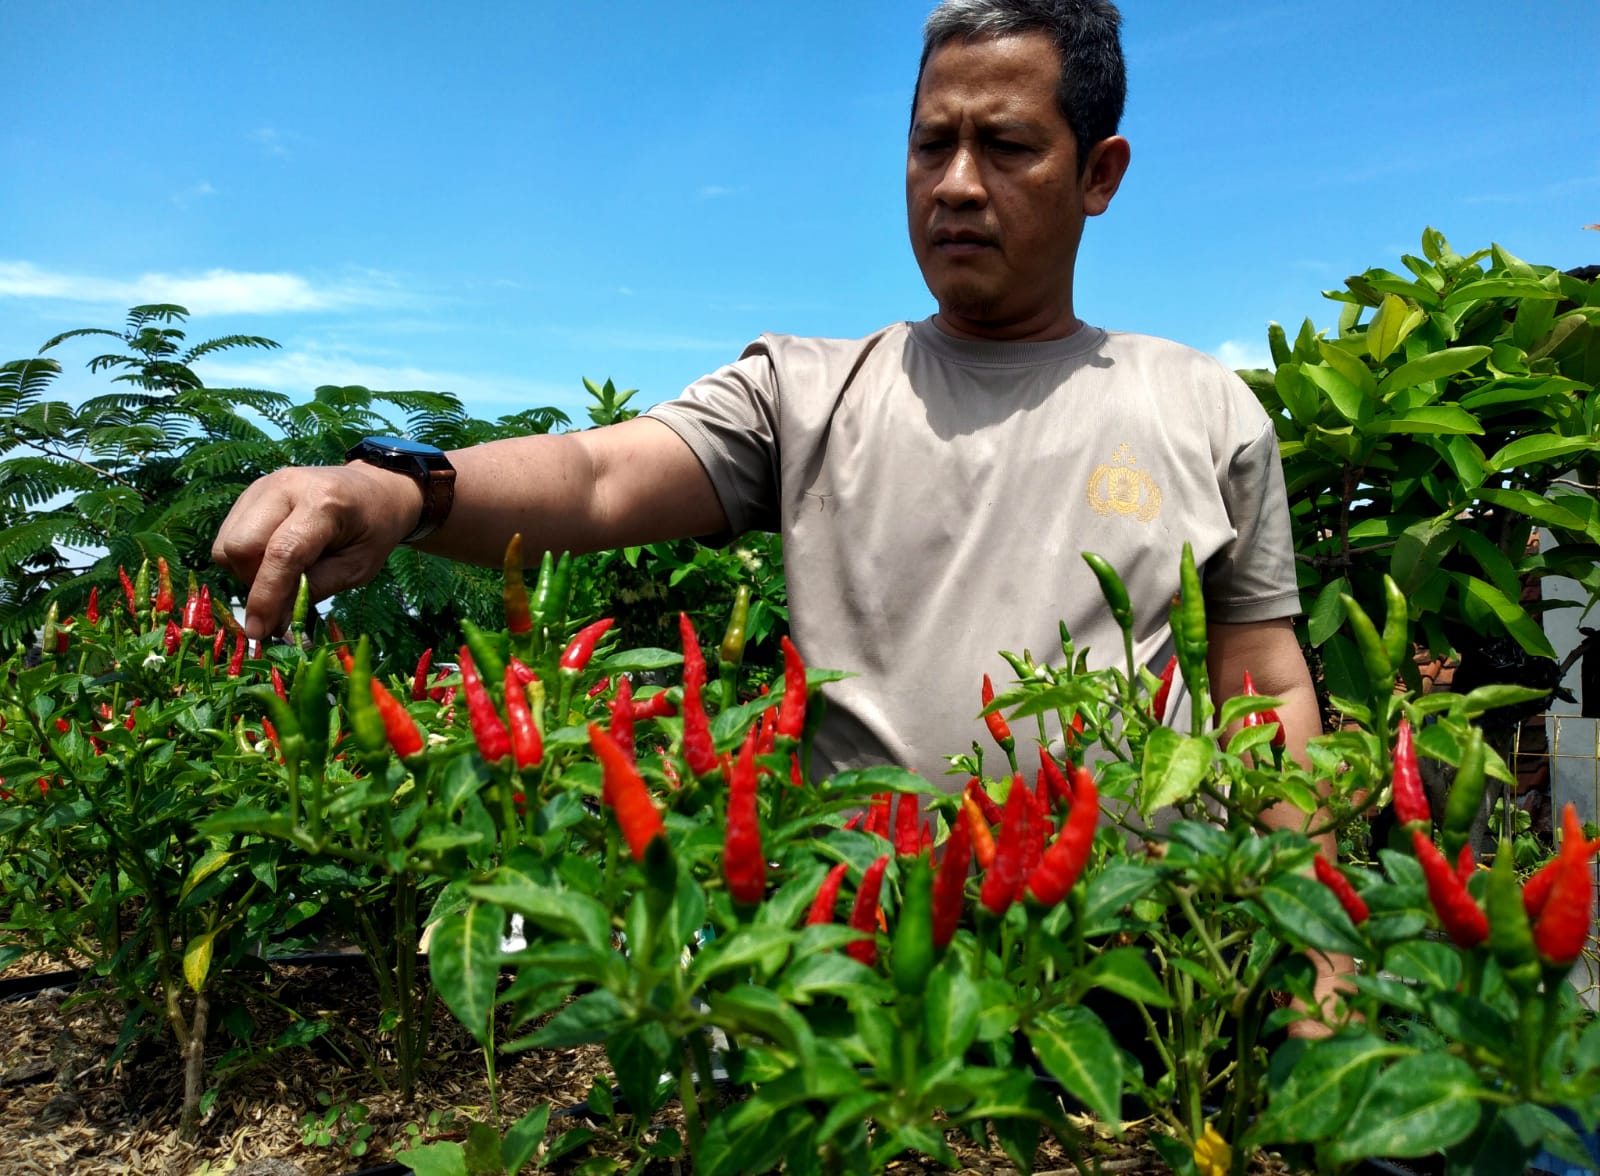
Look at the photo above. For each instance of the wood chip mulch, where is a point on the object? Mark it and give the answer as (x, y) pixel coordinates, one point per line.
(62, 1110)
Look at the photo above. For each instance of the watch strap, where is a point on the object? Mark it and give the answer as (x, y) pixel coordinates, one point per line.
(438, 496)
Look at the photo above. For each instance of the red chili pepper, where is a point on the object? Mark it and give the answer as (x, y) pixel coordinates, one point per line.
(907, 836)
(44, 785)
(1536, 890)
(625, 792)
(92, 612)
(698, 751)
(878, 815)
(398, 724)
(767, 743)
(127, 591)
(63, 726)
(527, 745)
(797, 778)
(436, 692)
(744, 865)
(205, 620)
(164, 598)
(1460, 916)
(419, 679)
(1003, 880)
(983, 847)
(855, 821)
(621, 708)
(340, 649)
(864, 915)
(1038, 832)
(219, 642)
(598, 688)
(1058, 871)
(987, 808)
(1074, 729)
(191, 610)
(1262, 718)
(581, 648)
(1566, 910)
(1410, 801)
(494, 741)
(950, 883)
(271, 733)
(657, 706)
(1466, 866)
(128, 722)
(1354, 905)
(277, 685)
(792, 711)
(1054, 781)
(670, 771)
(827, 896)
(1158, 704)
(172, 638)
(997, 725)
(236, 661)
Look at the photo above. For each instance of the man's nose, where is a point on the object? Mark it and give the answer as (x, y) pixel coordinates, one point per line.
(961, 184)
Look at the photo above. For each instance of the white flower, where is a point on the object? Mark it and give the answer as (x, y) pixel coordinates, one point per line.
(154, 660)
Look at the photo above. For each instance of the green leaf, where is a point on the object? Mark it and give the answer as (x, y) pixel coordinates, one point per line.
(1435, 365)
(1540, 509)
(1112, 889)
(1327, 614)
(1327, 1081)
(1439, 419)
(197, 960)
(949, 1012)
(1296, 392)
(1435, 965)
(1345, 397)
(1342, 668)
(564, 913)
(1419, 1105)
(1486, 288)
(1393, 321)
(435, 1159)
(1544, 447)
(1126, 972)
(1174, 766)
(1307, 913)
(464, 958)
(1418, 553)
(1080, 1053)
(1510, 614)
(592, 1017)
(523, 1139)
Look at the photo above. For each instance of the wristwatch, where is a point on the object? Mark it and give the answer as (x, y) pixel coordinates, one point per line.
(426, 465)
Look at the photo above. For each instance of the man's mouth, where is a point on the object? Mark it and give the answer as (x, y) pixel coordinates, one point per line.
(961, 241)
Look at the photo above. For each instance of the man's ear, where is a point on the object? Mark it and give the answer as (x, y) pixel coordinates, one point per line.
(1102, 175)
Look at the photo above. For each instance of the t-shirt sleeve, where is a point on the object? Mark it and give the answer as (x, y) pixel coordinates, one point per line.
(1253, 577)
(730, 421)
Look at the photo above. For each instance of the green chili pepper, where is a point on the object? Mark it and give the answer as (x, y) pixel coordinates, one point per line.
(555, 617)
(302, 607)
(1510, 929)
(486, 652)
(1190, 640)
(731, 652)
(1066, 642)
(47, 635)
(912, 945)
(141, 584)
(308, 694)
(540, 608)
(1374, 655)
(1396, 625)
(1466, 794)
(1113, 589)
(366, 724)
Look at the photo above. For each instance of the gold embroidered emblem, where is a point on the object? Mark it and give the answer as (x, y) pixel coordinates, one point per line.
(1119, 487)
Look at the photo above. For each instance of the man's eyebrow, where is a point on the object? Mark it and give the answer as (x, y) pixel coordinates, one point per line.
(986, 127)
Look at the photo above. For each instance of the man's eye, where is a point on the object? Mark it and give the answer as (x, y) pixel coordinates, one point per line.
(1006, 147)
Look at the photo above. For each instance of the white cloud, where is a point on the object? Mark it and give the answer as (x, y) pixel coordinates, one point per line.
(1239, 353)
(271, 140)
(192, 193)
(216, 291)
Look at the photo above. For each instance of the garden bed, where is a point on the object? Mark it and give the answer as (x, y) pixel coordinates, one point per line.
(63, 1111)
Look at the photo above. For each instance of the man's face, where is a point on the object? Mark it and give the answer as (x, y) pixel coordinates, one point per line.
(994, 197)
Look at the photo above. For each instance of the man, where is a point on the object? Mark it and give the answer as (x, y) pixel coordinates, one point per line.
(935, 482)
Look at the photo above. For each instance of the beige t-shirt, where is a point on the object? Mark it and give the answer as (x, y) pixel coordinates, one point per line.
(934, 496)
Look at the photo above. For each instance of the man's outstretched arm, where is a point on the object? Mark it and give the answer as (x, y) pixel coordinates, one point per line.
(629, 483)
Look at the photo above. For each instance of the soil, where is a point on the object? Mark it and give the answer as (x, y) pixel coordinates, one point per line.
(63, 1110)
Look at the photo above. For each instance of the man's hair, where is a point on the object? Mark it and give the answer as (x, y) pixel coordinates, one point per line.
(1085, 33)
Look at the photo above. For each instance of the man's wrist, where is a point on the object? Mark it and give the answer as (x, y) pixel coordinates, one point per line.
(426, 466)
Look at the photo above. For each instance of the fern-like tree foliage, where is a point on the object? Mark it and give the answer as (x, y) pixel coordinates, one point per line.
(151, 467)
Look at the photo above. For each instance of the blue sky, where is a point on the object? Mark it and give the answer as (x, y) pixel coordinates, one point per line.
(502, 198)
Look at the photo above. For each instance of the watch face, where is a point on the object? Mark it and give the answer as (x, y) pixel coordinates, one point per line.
(402, 445)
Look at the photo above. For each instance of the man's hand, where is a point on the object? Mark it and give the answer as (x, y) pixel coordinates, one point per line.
(337, 524)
